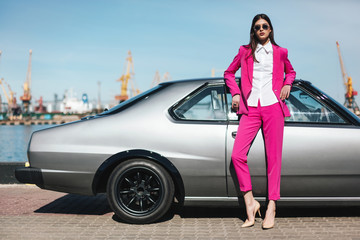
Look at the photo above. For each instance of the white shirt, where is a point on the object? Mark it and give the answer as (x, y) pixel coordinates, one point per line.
(262, 77)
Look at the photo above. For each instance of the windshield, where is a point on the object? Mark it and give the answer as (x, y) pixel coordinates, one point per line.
(133, 100)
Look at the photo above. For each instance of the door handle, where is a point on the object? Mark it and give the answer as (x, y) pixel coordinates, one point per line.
(233, 134)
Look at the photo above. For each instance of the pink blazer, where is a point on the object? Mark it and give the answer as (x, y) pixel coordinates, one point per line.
(244, 59)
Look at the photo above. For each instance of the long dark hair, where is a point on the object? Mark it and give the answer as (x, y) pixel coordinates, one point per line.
(253, 39)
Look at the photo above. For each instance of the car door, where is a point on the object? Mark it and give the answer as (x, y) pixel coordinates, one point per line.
(321, 149)
(320, 152)
(199, 132)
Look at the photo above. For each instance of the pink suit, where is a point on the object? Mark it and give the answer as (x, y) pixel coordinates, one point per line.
(271, 118)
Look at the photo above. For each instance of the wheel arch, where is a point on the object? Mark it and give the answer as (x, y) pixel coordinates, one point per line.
(104, 171)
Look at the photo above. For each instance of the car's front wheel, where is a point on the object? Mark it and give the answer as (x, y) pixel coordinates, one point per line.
(140, 191)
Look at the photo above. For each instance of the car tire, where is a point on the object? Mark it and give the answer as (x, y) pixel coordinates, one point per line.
(140, 191)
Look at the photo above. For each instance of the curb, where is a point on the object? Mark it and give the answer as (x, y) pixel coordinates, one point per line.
(7, 172)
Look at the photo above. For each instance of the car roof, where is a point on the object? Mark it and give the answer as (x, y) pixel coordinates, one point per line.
(217, 80)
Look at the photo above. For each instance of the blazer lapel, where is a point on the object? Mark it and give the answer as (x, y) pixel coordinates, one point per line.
(276, 62)
(250, 67)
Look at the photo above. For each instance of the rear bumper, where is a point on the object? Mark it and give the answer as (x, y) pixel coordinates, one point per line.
(29, 175)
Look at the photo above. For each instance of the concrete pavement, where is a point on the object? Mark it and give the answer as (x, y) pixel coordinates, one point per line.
(27, 212)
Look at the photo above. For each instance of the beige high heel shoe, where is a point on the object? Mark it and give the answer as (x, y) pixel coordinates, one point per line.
(269, 226)
(247, 223)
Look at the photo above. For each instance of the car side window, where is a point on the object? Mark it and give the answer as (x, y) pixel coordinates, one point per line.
(207, 104)
(305, 108)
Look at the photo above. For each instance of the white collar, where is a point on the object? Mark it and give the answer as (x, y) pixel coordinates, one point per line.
(267, 47)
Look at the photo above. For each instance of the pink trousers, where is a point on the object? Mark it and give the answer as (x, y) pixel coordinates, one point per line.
(271, 119)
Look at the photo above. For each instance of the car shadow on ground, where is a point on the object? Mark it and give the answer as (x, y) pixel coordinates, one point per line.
(98, 205)
(78, 204)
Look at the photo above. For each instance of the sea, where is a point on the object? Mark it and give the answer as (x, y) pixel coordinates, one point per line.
(14, 140)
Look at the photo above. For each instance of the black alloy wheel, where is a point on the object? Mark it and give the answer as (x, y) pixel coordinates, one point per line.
(140, 191)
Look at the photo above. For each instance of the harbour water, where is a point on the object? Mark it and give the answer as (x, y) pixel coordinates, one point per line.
(14, 141)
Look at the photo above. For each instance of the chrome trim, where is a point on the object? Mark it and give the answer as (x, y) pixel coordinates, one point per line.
(315, 199)
(283, 199)
(216, 199)
(64, 171)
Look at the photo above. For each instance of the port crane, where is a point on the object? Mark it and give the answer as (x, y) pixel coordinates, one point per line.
(350, 94)
(213, 71)
(134, 89)
(26, 97)
(14, 110)
(157, 78)
(125, 78)
(9, 96)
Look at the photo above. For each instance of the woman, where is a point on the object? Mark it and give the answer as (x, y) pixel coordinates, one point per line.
(261, 101)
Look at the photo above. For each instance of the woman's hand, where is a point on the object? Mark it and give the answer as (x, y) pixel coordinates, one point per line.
(235, 102)
(285, 92)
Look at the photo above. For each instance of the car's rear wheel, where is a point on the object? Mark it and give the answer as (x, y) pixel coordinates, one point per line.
(140, 191)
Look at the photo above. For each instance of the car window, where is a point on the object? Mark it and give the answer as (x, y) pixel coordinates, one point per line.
(305, 108)
(207, 104)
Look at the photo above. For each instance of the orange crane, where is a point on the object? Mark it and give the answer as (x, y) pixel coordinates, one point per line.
(13, 109)
(157, 78)
(213, 71)
(9, 99)
(134, 89)
(124, 79)
(166, 77)
(26, 97)
(350, 94)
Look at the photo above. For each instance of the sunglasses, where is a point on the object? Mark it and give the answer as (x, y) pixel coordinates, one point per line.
(264, 26)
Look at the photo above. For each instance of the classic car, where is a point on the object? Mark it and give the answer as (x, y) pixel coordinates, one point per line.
(172, 145)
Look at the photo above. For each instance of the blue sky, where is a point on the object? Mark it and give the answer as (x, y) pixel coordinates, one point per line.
(78, 43)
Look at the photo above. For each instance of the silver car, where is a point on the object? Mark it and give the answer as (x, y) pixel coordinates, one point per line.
(173, 144)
